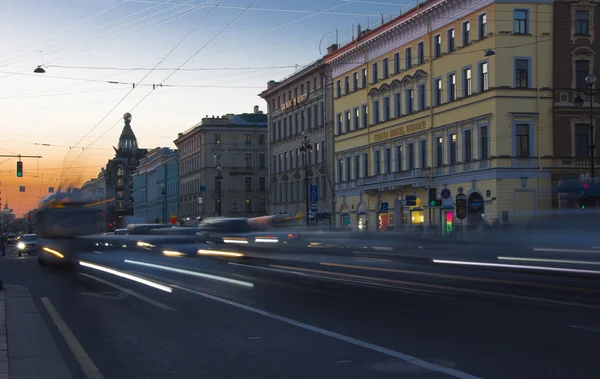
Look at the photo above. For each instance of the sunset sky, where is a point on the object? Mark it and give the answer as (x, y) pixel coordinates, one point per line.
(72, 115)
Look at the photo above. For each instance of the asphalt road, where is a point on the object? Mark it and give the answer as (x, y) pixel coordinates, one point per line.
(325, 317)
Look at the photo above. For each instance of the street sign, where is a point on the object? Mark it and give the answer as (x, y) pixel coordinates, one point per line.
(314, 189)
(202, 188)
(411, 200)
(445, 194)
(384, 206)
(313, 207)
(314, 197)
(461, 206)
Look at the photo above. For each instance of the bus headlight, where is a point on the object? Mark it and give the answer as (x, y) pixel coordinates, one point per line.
(21, 246)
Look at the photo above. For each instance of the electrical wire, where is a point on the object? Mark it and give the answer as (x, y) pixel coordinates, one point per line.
(173, 69)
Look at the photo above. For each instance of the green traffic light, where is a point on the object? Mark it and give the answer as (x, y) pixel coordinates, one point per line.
(432, 203)
(19, 169)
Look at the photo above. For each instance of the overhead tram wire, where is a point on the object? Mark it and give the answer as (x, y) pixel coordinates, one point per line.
(133, 88)
(184, 63)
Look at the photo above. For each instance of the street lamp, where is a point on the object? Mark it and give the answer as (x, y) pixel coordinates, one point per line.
(305, 147)
(590, 80)
(219, 178)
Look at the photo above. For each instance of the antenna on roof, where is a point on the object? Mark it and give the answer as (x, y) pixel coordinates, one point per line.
(381, 15)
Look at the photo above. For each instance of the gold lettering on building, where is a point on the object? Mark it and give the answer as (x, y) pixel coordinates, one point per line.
(295, 101)
(400, 131)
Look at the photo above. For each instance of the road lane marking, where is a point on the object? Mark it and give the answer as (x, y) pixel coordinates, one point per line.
(500, 265)
(585, 328)
(554, 250)
(443, 287)
(474, 279)
(148, 300)
(366, 345)
(126, 276)
(526, 259)
(193, 273)
(87, 365)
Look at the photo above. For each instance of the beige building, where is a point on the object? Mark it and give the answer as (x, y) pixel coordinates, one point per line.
(223, 167)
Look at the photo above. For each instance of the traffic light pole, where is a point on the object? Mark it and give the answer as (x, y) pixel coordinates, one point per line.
(19, 163)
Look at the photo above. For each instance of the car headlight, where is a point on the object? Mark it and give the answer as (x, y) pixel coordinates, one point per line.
(21, 245)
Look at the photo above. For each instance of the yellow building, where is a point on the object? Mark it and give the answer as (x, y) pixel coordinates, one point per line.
(456, 95)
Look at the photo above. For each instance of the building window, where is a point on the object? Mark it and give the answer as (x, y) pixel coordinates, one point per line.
(467, 82)
(356, 118)
(356, 167)
(450, 36)
(582, 140)
(248, 139)
(397, 105)
(262, 161)
(522, 140)
(522, 73)
(439, 152)
(338, 125)
(262, 205)
(437, 87)
(468, 146)
(261, 139)
(483, 77)
(384, 67)
(521, 21)
(421, 52)
(409, 97)
(407, 58)
(387, 161)
(374, 72)
(375, 106)
(399, 153)
(249, 204)
(248, 159)
(364, 78)
(452, 149)
(386, 109)
(217, 157)
(365, 115)
(285, 161)
(338, 88)
(365, 165)
(340, 167)
(217, 138)
(396, 63)
(296, 124)
(484, 142)
(582, 23)
(316, 114)
(377, 163)
(309, 118)
(302, 121)
(411, 156)
(437, 46)
(355, 81)
(466, 33)
(248, 183)
(451, 87)
(347, 122)
(482, 25)
(348, 169)
(421, 98)
(582, 69)
(423, 153)
(346, 85)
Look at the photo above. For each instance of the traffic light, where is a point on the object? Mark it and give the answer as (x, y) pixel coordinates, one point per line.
(461, 206)
(582, 203)
(19, 169)
(433, 201)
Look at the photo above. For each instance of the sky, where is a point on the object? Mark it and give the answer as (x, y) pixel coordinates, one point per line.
(212, 57)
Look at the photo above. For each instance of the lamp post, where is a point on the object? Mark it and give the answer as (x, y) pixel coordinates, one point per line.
(306, 147)
(219, 178)
(590, 80)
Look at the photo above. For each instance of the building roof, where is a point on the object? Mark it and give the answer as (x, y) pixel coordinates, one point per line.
(274, 85)
(256, 119)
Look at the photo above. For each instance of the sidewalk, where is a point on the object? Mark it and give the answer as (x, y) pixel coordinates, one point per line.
(33, 354)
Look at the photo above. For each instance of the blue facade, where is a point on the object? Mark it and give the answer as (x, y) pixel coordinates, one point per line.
(156, 186)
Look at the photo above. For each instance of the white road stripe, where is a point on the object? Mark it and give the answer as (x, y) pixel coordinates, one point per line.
(193, 273)
(585, 328)
(553, 250)
(405, 357)
(145, 298)
(87, 365)
(538, 268)
(548, 260)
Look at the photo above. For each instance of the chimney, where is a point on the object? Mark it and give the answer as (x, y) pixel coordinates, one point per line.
(271, 83)
(332, 48)
(358, 31)
(256, 109)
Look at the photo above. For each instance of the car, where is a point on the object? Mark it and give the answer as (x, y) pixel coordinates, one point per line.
(27, 243)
